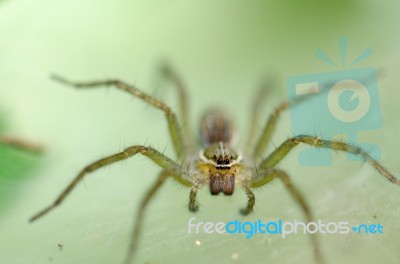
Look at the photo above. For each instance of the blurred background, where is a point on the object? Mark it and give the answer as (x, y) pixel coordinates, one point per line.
(222, 49)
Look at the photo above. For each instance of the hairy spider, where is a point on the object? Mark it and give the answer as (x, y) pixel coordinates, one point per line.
(215, 162)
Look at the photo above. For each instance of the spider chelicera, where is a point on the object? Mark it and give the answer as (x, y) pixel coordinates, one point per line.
(214, 161)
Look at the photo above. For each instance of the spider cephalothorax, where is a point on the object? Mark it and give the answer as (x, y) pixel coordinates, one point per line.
(219, 165)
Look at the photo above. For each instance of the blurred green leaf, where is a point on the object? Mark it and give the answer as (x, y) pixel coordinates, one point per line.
(16, 165)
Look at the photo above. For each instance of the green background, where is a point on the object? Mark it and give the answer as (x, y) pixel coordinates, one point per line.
(222, 49)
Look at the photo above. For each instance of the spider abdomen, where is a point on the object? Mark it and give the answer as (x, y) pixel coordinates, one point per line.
(216, 127)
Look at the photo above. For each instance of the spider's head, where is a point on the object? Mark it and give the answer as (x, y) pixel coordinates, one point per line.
(220, 162)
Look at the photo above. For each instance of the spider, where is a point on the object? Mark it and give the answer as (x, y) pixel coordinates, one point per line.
(213, 161)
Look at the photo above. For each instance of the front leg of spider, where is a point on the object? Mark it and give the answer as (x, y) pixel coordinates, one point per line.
(170, 167)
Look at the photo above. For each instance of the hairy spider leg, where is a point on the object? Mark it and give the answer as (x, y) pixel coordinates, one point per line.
(137, 228)
(173, 125)
(266, 176)
(193, 206)
(276, 156)
(269, 129)
(270, 126)
(256, 107)
(172, 76)
(251, 200)
(158, 158)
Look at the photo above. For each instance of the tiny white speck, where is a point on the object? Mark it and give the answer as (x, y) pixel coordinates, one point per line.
(198, 243)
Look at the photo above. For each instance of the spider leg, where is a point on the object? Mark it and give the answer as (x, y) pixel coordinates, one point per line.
(269, 128)
(137, 228)
(255, 113)
(193, 206)
(266, 176)
(173, 124)
(279, 153)
(251, 200)
(158, 158)
(172, 76)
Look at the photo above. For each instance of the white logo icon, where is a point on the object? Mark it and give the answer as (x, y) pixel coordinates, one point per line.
(359, 91)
